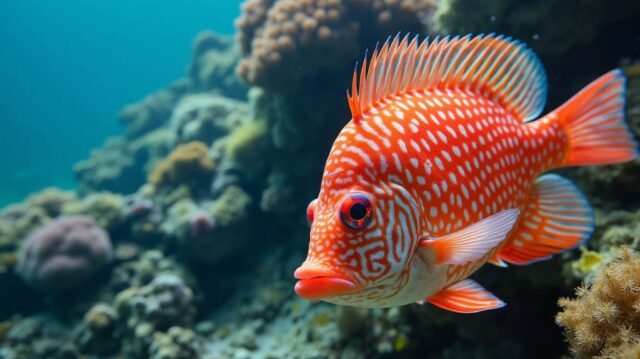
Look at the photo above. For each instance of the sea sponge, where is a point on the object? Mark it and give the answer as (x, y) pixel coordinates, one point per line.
(285, 41)
(64, 254)
(604, 320)
(188, 164)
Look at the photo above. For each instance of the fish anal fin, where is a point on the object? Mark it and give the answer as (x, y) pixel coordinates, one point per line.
(466, 296)
(556, 219)
(472, 242)
(495, 67)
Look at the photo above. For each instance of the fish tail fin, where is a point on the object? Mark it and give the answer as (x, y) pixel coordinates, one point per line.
(594, 124)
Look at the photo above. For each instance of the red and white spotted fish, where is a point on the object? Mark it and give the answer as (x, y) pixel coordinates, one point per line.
(441, 169)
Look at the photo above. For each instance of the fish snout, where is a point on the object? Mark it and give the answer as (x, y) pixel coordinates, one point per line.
(316, 282)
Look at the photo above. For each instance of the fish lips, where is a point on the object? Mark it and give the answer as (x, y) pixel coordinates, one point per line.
(316, 283)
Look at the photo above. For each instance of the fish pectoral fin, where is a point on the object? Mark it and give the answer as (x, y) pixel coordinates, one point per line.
(472, 242)
(466, 296)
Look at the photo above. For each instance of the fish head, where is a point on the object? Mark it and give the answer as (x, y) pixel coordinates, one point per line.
(361, 241)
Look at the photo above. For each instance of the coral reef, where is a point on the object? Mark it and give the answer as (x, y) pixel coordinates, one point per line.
(164, 303)
(212, 68)
(286, 42)
(40, 337)
(205, 117)
(122, 165)
(603, 320)
(153, 111)
(107, 209)
(64, 254)
(213, 232)
(188, 164)
(99, 333)
(204, 196)
(248, 146)
(176, 343)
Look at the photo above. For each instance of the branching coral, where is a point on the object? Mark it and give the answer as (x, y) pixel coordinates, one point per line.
(188, 164)
(604, 320)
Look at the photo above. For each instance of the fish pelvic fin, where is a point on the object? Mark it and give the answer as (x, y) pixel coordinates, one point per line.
(466, 297)
(492, 66)
(556, 218)
(594, 124)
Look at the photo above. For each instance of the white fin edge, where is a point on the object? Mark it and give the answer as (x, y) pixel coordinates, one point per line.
(493, 66)
(474, 241)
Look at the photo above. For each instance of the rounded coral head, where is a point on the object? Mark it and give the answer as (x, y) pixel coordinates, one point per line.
(64, 253)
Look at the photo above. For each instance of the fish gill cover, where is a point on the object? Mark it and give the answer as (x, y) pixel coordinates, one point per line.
(202, 200)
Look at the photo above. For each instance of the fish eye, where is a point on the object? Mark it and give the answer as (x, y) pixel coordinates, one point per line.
(356, 210)
(310, 209)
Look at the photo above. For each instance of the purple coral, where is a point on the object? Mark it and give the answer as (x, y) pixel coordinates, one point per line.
(64, 253)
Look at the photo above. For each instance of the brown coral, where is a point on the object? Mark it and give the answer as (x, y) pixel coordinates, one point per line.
(188, 164)
(284, 41)
(604, 320)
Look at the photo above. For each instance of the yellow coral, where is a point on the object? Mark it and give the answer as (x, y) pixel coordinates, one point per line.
(604, 320)
(400, 343)
(188, 164)
(588, 261)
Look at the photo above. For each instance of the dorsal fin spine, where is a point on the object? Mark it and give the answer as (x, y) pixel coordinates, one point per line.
(495, 67)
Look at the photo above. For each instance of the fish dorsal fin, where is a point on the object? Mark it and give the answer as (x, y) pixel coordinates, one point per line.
(492, 66)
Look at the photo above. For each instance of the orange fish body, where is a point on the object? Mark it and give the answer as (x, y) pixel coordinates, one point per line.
(439, 171)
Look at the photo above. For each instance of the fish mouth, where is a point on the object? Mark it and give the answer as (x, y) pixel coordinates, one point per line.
(316, 282)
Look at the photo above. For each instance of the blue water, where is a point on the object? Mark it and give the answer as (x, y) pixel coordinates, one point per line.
(67, 67)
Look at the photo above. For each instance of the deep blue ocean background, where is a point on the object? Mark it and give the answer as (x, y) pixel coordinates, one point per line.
(67, 68)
